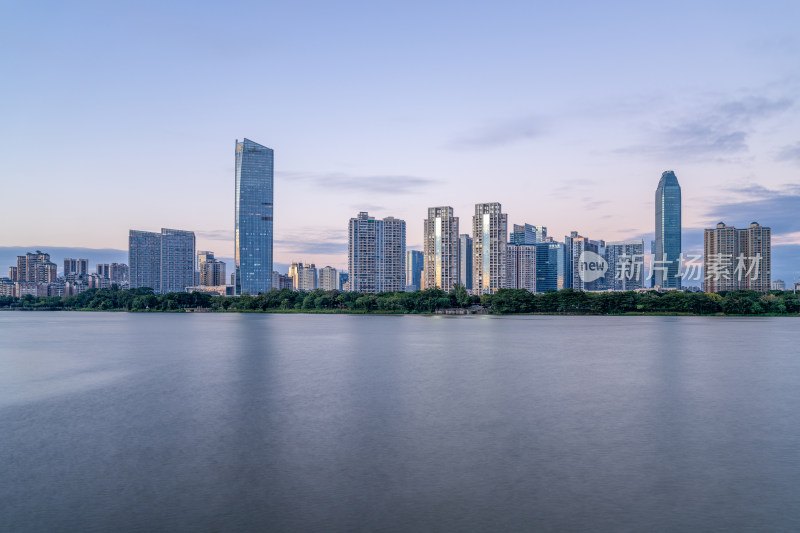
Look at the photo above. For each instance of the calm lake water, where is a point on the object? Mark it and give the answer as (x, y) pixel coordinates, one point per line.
(252, 422)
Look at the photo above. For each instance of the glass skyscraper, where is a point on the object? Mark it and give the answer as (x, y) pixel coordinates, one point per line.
(253, 236)
(666, 261)
(415, 262)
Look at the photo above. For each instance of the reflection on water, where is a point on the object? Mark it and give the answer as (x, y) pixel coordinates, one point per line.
(247, 422)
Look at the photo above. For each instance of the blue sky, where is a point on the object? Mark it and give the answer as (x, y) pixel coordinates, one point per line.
(124, 115)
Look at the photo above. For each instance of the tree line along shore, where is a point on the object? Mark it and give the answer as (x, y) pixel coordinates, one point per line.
(504, 301)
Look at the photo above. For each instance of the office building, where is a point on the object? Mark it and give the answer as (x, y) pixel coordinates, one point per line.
(489, 238)
(144, 259)
(440, 249)
(328, 279)
(211, 271)
(625, 265)
(254, 218)
(549, 266)
(162, 261)
(667, 258)
(528, 234)
(343, 283)
(465, 260)
(415, 264)
(521, 266)
(778, 285)
(737, 259)
(376, 254)
(177, 260)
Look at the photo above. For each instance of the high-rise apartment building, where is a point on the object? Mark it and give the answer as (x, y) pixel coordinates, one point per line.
(667, 259)
(576, 249)
(394, 255)
(521, 266)
(254, 218)
(625, 265)
(415, 264)
(119, 273)
(36, 268)
(465, 260)
(737, 259)
(103, 270)
(441, 248)
(304, 276)
(328, 279)
(162, 261)
(376, 254)
(279, 281)
(489, 238)
(76, 267)
(211, 271)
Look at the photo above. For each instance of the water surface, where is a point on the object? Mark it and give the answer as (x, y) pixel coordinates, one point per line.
(253, 422)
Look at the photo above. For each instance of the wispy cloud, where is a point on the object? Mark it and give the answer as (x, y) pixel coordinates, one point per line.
(216, 234)
(711, 132)
(774, 208)
(376, 184)
(497, 133)
(789, 153)
(570, 184)
(311, 241)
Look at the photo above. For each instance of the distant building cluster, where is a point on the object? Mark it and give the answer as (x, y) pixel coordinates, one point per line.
(36, 275)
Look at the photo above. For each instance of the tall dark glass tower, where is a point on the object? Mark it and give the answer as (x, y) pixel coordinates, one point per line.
(253, 237)
(668, 232)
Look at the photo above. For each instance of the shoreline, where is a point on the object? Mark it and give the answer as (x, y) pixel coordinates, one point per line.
(392, 313)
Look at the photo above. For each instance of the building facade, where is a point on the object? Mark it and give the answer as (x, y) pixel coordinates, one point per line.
(667, 259)
(119, 273)
(162, 261)
(576, 249)
(328, 279)
(625, 265)
(304, 276)
(441, 249)
(211, 271)
(489, 238)
(737, 259)
(376, 254)
(528, 234)
(144, 259)
(549, 266)
(253, 218)
(521, 266)
(177, 260)
(465, 261)
(415, 264)
(76, 267)
(36, 268)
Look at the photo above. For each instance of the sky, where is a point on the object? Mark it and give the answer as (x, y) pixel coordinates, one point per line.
(124, 115)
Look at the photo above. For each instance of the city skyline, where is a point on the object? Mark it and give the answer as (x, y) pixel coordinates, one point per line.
(716, 102)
